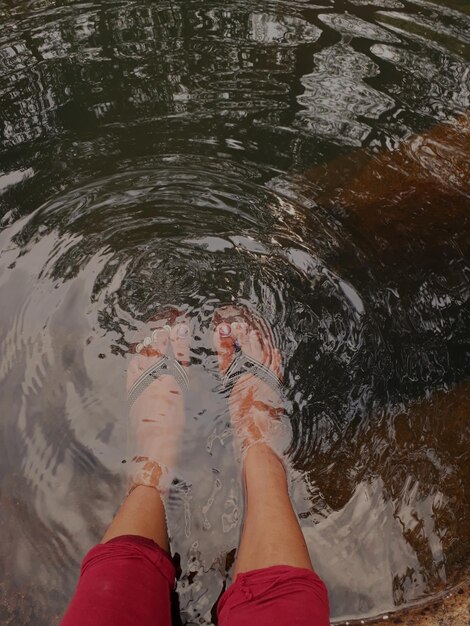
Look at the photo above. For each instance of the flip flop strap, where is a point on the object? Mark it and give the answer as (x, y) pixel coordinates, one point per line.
(160, 367)
(244, 364)
(180, 374)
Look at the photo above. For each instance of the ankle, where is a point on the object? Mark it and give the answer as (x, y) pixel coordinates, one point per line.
(260, 458)
(145, 472)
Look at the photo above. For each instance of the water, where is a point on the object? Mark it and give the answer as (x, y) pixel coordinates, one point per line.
(191, 154)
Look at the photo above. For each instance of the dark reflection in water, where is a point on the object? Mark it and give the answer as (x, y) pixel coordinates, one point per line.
(194, 154)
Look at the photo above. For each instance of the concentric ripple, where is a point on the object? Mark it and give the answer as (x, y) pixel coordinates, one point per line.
(274, 154)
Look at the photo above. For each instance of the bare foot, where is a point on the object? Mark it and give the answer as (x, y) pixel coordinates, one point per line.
(255, 402)
(157, 413)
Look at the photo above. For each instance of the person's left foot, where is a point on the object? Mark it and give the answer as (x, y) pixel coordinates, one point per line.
(157, 414)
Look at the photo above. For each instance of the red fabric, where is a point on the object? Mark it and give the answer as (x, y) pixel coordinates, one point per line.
(124, 582)
(275, 595)
(128, 580)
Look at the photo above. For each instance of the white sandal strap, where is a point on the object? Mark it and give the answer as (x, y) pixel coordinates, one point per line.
(160, 367)
(180, 374)
(244, 364)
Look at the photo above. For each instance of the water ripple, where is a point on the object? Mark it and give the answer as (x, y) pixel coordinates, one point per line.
(275, 154)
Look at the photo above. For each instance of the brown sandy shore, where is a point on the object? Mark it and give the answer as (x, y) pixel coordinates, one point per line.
(450, 609)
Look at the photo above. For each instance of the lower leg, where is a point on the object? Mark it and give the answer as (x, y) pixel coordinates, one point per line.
(156, 423)
(271, 532)
(275, 582)
(128, 578)
(142, 513)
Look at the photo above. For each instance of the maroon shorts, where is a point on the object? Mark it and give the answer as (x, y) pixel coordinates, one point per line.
(128, 582)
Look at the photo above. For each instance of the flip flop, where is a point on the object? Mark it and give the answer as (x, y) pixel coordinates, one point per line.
(242, 363)
(166, 364)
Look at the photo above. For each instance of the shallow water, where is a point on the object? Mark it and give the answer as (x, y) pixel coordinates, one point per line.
(193, 154)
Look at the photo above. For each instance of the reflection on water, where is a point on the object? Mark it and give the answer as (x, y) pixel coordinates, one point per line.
(193, 154)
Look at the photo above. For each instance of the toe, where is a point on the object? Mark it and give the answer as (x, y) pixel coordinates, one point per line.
(277, 363)
(268, 347)
(160, 339)
(224, 344)
(180, 340)
(154, 346)
(240, 334)
(144, 351)
(256, 350)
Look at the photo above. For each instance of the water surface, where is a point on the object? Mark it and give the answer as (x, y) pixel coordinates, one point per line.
(193, 154)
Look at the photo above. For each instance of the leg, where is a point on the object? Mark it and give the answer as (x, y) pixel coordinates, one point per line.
(124, 582)
(269, 516)
(128, 578)
(142, 513)
(275, 581)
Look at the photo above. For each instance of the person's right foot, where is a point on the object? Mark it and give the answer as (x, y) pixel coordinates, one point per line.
(157, 414)
(256, 407)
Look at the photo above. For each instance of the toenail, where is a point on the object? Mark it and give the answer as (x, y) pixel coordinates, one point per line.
(183, 331)
(235, 325)
(225, 330)
(156, 333)
(167, 327)
(139, 347)
(147, 341)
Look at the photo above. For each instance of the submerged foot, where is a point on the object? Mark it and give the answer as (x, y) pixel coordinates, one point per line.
(156, 387)
(255, 401)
